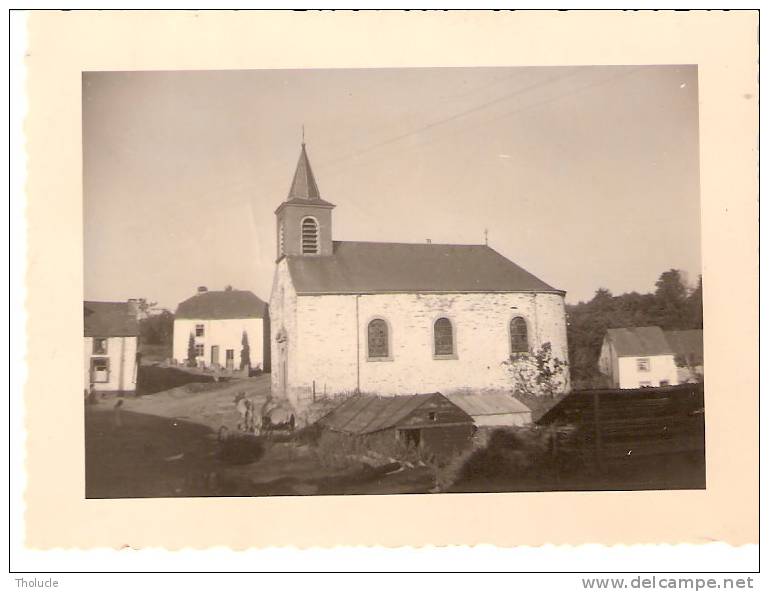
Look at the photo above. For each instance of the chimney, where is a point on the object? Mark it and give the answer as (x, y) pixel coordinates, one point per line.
(202, 289)
(429, 241)
(228, 288)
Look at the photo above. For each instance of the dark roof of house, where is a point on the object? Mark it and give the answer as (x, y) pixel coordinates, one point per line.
(110, 319)
(364, 268)
(224, 304)
(639, 341)
(366, 414)
(487, 403)
(686, 342)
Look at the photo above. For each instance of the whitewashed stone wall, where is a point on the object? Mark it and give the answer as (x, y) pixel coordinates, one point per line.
(122, 375)
(328, 340)
(283, 301)
(226, 333)
(661, 368)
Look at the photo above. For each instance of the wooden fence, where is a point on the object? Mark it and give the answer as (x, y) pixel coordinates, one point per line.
(603, 426)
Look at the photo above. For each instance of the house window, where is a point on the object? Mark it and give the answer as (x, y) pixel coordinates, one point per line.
(230, 354)
(309, 236)
(378, 339)
(200, 331)
(100, 346)
(99, 369)
(642, 364)
(444, 337)
(199, 349)
(432, 416)
(519, 336)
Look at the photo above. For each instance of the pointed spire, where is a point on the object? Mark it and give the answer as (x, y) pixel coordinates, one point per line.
(303, 185)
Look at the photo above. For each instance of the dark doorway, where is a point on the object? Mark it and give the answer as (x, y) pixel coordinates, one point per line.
(412, 437)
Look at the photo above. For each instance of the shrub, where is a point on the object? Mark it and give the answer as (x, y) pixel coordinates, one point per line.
(240, 449)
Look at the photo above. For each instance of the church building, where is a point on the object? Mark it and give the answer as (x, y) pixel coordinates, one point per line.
(396, 318)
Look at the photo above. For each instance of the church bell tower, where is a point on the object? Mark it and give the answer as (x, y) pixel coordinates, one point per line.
(304, 218)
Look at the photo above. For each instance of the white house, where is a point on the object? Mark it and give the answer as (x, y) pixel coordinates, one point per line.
(218, 322)
(111, 333)
(395, 318)
(637, 357)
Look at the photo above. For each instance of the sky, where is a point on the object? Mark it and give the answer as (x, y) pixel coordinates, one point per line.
(588, 177)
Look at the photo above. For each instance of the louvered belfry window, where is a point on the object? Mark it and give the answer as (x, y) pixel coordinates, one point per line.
(378, 342)
(444, 337)
(519, 336)
(309, 236)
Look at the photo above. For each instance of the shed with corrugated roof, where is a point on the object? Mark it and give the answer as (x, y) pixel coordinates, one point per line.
(492, 408)
(429, 421)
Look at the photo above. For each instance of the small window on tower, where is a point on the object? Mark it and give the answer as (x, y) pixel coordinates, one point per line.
(309, 236)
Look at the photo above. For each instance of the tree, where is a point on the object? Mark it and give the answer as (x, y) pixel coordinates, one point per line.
(537, 372)
(191, 354)
(143, 307)
(694, 306)
(671, 295)
(157, 329)
(245, 352)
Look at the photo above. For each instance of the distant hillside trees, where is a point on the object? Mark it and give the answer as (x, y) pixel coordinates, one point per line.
(673, 305)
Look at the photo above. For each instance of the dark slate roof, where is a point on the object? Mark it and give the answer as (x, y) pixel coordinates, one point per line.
(639, 341)
(110, 319)
(303, 186)
(365, 268)
(476, 404)
(225, 304)
(366, 414)
(688, 342)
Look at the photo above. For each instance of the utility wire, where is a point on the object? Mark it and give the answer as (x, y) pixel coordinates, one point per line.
(480, 107)
(449, 119)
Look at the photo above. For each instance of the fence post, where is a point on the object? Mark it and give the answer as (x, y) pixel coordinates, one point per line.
(598, 436)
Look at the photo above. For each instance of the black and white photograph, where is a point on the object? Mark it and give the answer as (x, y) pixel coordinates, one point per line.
(392, 281)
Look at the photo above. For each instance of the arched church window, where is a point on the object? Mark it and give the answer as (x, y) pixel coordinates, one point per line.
(309, 236)
(378, 339)
(444, 337)
(519, 336)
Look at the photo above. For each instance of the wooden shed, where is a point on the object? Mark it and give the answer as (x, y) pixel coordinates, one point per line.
(427, 421)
